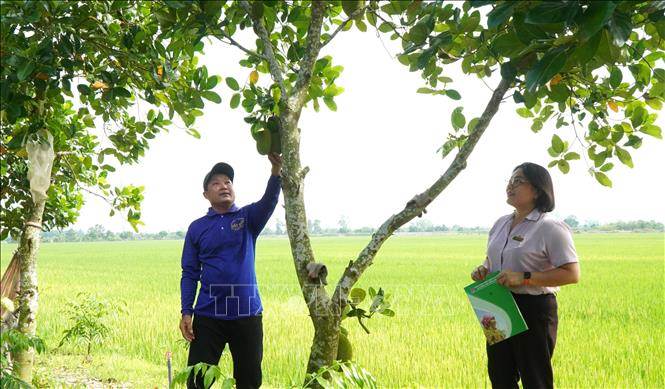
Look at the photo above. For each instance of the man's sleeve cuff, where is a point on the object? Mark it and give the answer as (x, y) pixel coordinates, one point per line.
(189, 312)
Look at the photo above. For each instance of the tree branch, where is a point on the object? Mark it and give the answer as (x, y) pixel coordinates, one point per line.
(344, 23)
(219, 34)
(416, 206)
(312, 48)
(261, 31)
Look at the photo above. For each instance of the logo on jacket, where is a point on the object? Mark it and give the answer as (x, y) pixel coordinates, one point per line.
(238, 224)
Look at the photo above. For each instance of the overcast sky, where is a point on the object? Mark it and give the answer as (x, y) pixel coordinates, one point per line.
(379, 149)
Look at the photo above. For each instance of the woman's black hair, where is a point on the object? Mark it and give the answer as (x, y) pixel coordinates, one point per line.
(540, 179)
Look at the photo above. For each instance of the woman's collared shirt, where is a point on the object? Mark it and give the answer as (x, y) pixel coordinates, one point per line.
(537, 244)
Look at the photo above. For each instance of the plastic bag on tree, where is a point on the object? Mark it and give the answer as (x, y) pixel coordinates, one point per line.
(40, 156)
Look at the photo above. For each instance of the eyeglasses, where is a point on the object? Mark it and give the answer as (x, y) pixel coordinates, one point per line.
(517, 181)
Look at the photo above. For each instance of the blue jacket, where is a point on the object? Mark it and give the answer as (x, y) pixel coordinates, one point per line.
(219, 252)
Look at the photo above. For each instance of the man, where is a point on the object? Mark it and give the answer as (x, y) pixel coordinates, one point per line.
(219, 252)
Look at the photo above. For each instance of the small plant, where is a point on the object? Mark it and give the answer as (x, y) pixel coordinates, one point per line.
(13, 341)
(380, 304)
(89, 315)
(210, 374)
(340, 375)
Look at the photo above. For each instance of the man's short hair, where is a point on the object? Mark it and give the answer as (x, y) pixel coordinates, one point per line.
(219, 168)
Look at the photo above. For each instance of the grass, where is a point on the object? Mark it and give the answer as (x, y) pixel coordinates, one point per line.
(610, 333)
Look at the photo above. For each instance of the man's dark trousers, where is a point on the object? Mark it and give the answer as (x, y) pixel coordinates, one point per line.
(245, 339)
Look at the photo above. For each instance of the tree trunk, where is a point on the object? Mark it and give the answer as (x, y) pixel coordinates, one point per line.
(324, 345)
(40, 158)
(27, 297)
(325, 318)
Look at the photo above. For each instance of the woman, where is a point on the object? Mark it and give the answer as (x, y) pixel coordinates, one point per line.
(535, 255)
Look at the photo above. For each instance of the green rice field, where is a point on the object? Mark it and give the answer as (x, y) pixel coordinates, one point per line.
(611, 324)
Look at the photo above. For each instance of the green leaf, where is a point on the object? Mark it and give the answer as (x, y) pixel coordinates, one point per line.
(235, 100)
(624, 156)
(527, 33)
(84, 89)
(500, 14)
(212, 82)
(387, 312)
(615, 77)
(385, 27)
(453, 94)
(330, 103)
(641, 72)
(114, 28)
(639, 116)
(232, 83)
(524, 112)
(447, 148)
(659, 74)
(537, 125)
(607, 167)
(653, 130)
(557, 144)
(426, 90)
(25, 70)
(559, 93)
(551, 64)
(357, 295)
(457, 118)
(571, 156)
(472, 124)
(586, 51)
(507, 45)
(121, 92)
(212, 96)
(603, 179)
(595, 17)
(548, 12)
(208, 377)
(563, 166)
(620, 27)
(656, 104)
(194, 133)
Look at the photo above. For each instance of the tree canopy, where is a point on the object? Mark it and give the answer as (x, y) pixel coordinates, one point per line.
(67, 67)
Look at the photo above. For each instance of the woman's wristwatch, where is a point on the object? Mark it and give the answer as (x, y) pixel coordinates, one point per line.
(527, 278)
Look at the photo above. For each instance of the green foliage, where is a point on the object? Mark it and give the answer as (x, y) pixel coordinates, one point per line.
(74, 67)
(89, 317)
(13, 341)
(584, 65)
(340, 375)
(380, 303)
(210, 374)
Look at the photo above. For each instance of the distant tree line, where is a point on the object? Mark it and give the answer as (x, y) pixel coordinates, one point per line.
(100, 233)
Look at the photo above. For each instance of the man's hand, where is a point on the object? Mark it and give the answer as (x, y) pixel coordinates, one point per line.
(276, 161)
(186, 327)
(510, 278)
(479, 273)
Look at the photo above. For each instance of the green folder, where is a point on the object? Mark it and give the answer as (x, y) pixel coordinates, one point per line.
(496, 309)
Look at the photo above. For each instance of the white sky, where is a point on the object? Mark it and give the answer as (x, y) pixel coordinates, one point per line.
(378, 150)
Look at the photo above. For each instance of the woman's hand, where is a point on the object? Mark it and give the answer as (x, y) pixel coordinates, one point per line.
(479, 273)
(510, 278)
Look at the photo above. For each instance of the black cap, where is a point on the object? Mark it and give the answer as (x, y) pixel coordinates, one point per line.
(219, 168)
